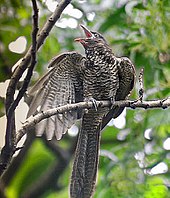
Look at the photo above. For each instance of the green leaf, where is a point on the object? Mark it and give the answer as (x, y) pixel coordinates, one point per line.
(36, 162)
(118, 18)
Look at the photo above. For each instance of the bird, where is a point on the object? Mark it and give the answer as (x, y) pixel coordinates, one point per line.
(127, 76)
(104, 78)
(100, 83)
(73, 77)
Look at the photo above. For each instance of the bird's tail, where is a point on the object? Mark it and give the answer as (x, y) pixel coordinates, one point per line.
(85, 165)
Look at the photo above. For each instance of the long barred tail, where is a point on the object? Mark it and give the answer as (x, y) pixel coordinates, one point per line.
(85, 165)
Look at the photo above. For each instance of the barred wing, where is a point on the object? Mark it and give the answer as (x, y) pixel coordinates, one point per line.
(60, 86)
(127, 74)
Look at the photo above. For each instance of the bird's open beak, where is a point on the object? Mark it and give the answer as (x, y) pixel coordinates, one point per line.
(86, 31)
(80, 40)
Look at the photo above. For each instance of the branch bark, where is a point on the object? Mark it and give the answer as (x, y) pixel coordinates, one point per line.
(33, 120)
(26, 60)
(11, 104)
(17, 161)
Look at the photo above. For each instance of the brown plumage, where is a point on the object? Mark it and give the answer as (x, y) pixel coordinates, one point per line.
(73, 78)
(126, 73)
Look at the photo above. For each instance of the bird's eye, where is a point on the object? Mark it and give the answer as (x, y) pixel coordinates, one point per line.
(96, 35)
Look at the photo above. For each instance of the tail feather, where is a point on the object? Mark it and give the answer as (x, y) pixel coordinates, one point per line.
(85, 165)
(78, 173)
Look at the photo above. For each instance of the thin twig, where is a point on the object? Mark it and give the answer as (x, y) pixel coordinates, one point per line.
(33, 58)
(10, 136)
(33, 120)
(29, 73)
(16, 163)
(141, 90)
(27, 58)
(9, 148)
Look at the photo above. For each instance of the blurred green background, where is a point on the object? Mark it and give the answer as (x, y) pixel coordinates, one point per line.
(135, 158)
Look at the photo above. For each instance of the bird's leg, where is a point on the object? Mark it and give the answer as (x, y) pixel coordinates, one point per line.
(112, 101)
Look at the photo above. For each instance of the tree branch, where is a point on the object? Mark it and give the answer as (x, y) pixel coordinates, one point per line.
(9, 147)
(33, 59)
(10, 136)
(17, 161)
(27, 58)
(33, 120)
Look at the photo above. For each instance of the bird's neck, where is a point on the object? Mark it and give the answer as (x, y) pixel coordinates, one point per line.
(98, 55)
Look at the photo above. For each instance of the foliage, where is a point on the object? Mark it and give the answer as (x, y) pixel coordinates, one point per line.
(137, 29)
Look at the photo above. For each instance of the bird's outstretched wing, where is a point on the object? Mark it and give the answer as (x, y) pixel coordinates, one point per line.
(61, 85)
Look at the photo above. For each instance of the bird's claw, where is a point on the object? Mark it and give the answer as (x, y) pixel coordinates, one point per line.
(94, 102)
(112, 101)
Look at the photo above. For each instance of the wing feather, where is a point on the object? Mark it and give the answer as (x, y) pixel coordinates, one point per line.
(60, 86)
(41, 82)
(40, 127)
(126, 83)
(50, 127)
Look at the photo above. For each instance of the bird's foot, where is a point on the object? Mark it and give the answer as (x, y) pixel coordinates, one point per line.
(112, 101)
(94, 102)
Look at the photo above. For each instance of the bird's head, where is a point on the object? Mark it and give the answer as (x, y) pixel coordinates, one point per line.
(92, 34)
(92, 38)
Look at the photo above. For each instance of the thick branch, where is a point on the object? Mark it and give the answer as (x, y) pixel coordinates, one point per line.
(31, 121)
